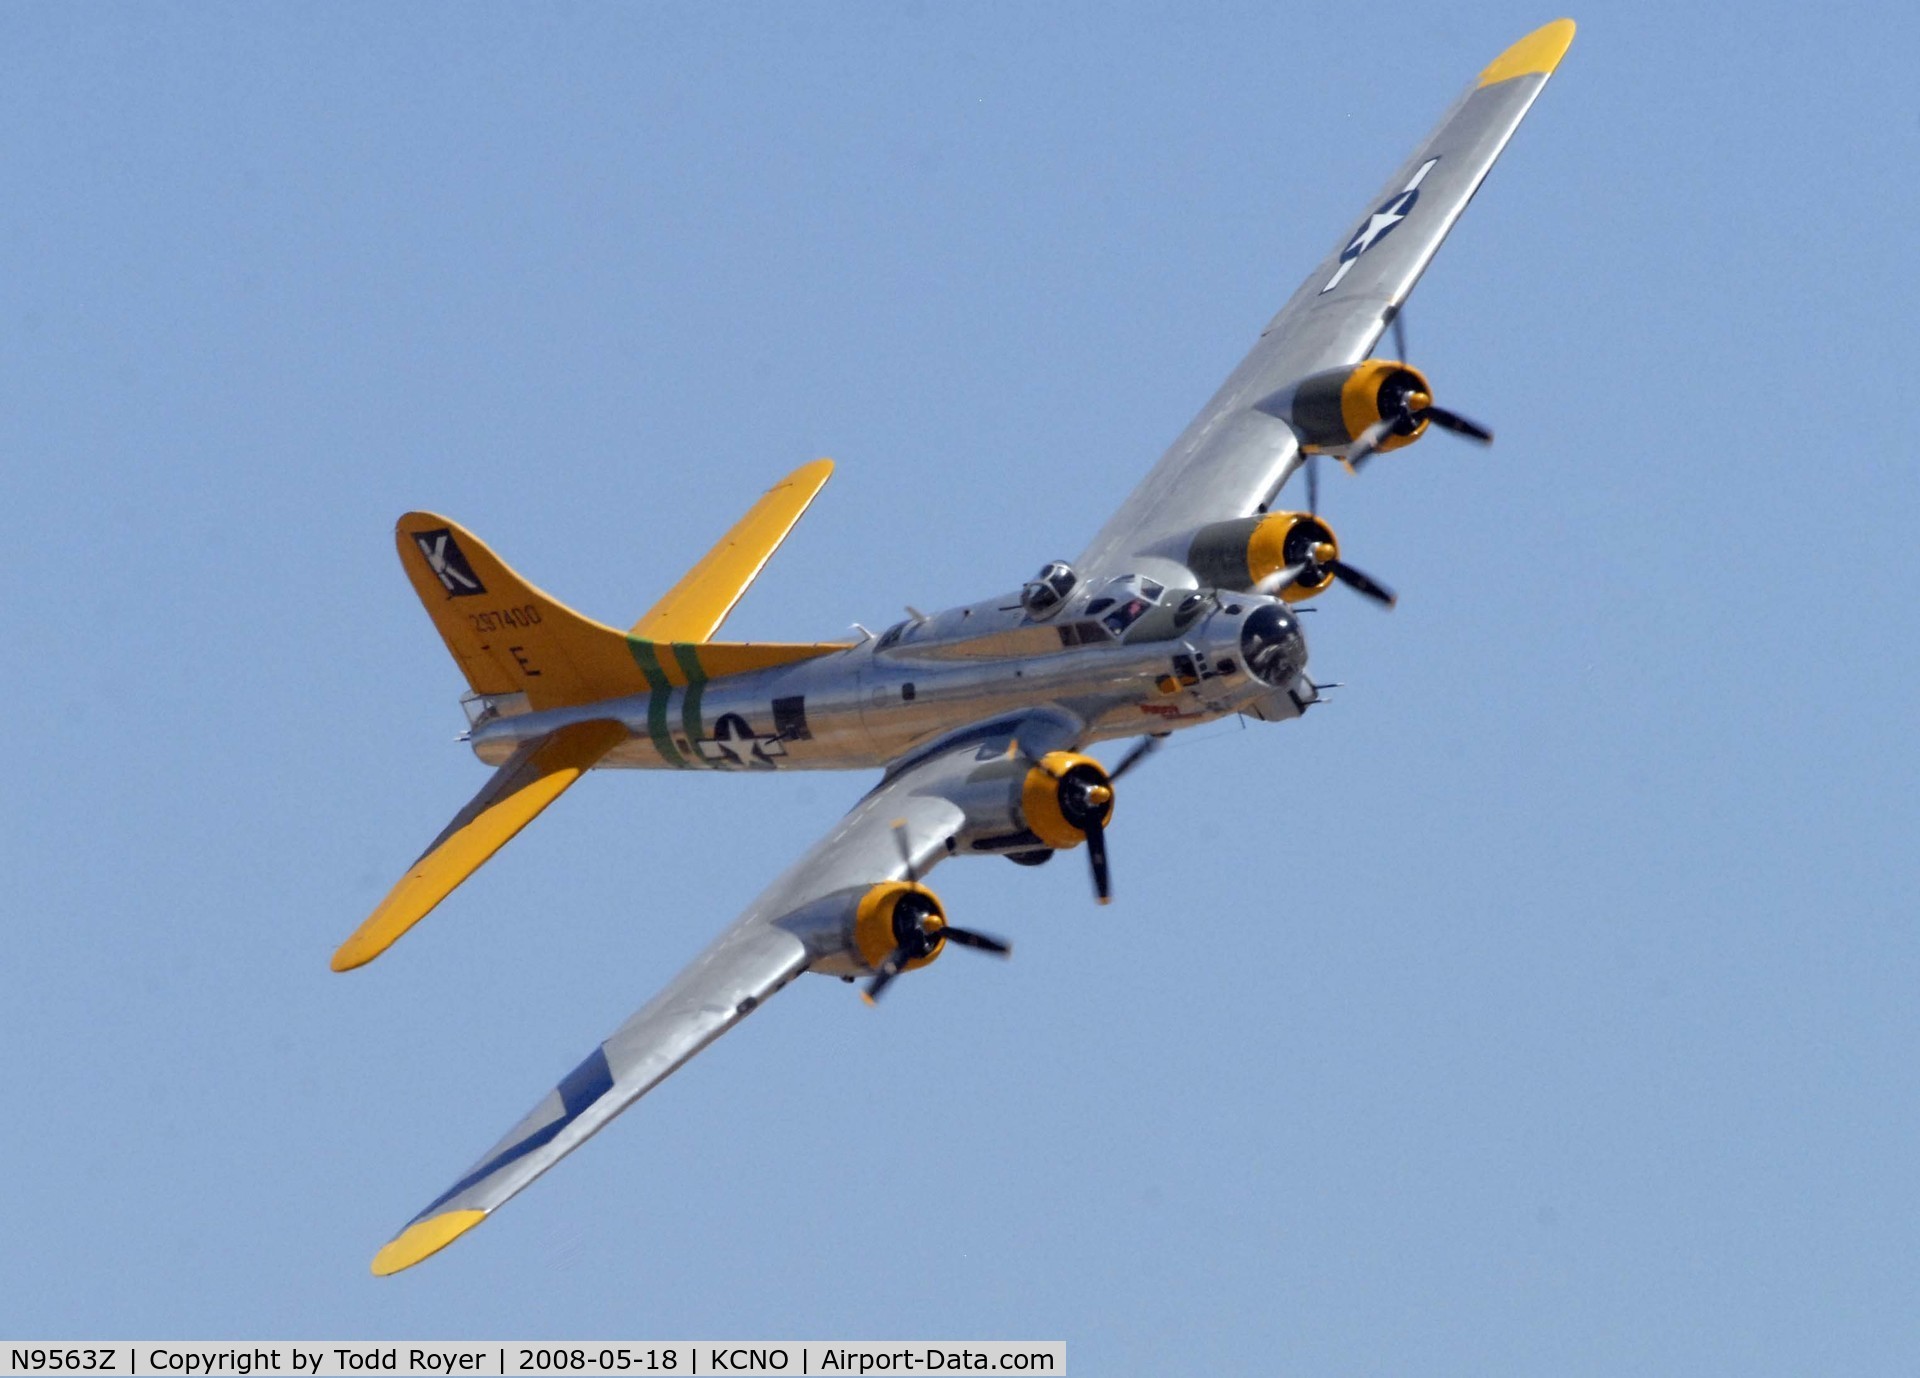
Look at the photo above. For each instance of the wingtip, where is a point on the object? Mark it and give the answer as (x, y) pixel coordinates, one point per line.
(1539, 52)
(423, 1238)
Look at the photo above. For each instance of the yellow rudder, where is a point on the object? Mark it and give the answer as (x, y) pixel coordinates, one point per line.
(507, 635)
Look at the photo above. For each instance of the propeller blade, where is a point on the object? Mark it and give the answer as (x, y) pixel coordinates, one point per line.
(1097, 856)
(1271, 585)
(884, 975)
(980, 942)
(1458, 424)
(1362, 583)
(1369, 441)
(1399, 334)
(1145, 748)
(1313, 485)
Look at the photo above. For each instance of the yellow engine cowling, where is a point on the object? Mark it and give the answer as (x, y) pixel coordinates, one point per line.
(1062, 794)
(1240, 554)
(880, 925)
(1330, 410)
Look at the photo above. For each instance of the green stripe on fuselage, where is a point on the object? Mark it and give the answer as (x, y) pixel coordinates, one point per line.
(689, 659)
(648, 659)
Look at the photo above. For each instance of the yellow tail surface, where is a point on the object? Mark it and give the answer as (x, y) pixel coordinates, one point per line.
(509, 637)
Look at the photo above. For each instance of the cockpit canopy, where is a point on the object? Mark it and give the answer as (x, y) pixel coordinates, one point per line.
(1043, 594)
(1124, 601)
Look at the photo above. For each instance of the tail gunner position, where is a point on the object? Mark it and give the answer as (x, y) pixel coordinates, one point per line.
(1180, 612)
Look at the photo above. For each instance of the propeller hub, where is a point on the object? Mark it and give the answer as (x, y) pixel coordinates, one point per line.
(1400, 400)
(1063, 795)
(1310, 547)
(899, 926)
(898, 916)
(917, 925)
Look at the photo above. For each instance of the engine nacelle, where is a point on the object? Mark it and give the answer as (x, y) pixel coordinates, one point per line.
(886, 918)
(1328, 411)
(1240, 554)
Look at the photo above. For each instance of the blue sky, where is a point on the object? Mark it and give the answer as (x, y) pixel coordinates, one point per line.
(1545, 1004)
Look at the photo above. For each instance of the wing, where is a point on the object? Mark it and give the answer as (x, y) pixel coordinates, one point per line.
(1233, 459)
(798, 922)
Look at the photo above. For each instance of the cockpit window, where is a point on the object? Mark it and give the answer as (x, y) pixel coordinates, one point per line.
(1082, 634)
(1125, 615)
(1124, 601)
(891, 636)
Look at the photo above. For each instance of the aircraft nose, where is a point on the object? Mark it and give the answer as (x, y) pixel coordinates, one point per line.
(1272, 645)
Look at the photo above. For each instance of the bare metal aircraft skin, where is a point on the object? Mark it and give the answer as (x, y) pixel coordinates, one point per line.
(1179, 613)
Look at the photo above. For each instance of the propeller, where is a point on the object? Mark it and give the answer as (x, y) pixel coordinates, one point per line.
(914, 939)
(1402, 412)
(1144, 748)
(1314, 560)
(1086, 798)
(1362, 583)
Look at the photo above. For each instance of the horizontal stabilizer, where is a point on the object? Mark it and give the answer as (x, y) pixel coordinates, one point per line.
(536, 775)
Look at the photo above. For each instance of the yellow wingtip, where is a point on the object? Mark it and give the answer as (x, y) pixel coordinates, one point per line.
(1539, 51)
(422, 1238)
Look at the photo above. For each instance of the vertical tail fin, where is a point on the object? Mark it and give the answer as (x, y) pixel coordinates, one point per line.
(506, 635)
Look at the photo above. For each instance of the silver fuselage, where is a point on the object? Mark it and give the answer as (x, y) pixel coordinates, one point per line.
(877, 700)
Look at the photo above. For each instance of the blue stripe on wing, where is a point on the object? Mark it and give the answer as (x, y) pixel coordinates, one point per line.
(581, 1087)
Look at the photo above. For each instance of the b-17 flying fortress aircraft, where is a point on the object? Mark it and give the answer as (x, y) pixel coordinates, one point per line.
(1178, 613)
